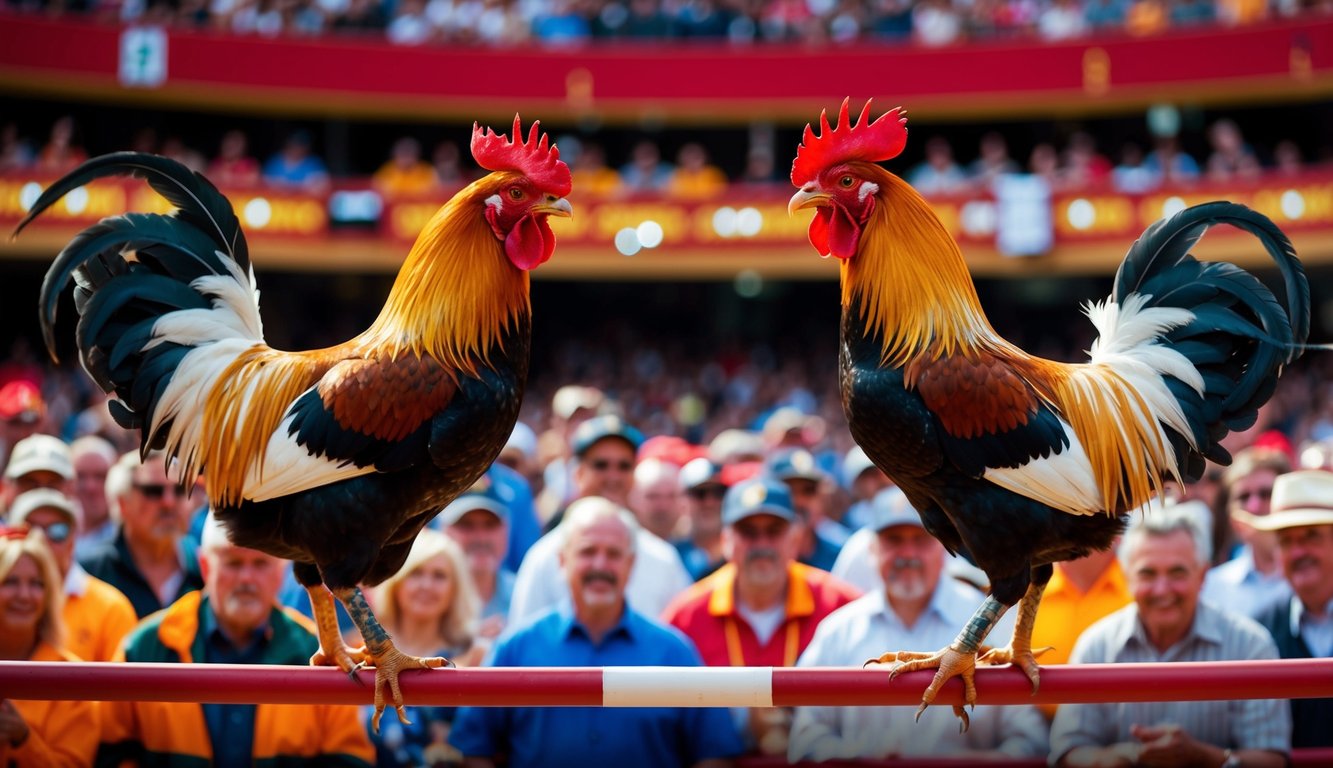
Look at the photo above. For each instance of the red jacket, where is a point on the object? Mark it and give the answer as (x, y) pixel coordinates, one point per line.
(707, 614)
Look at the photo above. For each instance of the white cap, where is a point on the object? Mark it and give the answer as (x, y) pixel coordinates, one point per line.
(37, 453)
(39, 498)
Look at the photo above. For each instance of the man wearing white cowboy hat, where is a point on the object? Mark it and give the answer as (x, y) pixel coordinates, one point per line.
(1302, 516)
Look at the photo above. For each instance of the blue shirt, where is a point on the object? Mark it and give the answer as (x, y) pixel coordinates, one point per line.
(231, 727)
(556, 737)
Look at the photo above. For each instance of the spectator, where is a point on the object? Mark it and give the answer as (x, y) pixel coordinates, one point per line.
(1105, 15)
(92, 458)
(15, 152)
(760, 169)
(37, 734)
(1132, 174)
(694, 178)
(405, 174)
(1231, 158)
(361, 16)
(430, 607)
(762, 607)
(1252, 580)
(295, 167)
(818, 538)
(645, 172)
(936, 23)
(150, 560)
(1165, 557)
(1302, 518)
(561, 24)
(992, 162)
(235, 620)
(656, 499)
(1062, 20)
(863, 481)
(60, 154)
(590, 173)
(175, 148)
(22, 413)
(447, 163)
(234, 167)
(96, 616)
(1169, 163)
(938, 174)
(701, 550)
(605, 447)
(1287, 160)
(1084, 166)
(596, 627)
(571, 405)
(520, 454)
(38, 461)
(410, 25)
(479, 521)
(914, 606)
(1146, 17)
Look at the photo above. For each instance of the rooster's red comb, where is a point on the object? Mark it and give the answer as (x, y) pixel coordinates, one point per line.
(874, 141)
(531, 157)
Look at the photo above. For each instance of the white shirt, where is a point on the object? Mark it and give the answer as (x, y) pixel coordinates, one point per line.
(867, 628)
(1239, 586)
(658, 575)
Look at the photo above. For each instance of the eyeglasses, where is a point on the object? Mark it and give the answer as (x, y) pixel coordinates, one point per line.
(56, 533)
(601, 465)
(1264, 494)
(707, 492)
(151, 490)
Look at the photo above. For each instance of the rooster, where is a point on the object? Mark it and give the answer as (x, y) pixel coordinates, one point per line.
(1016, 461)
(333, 458)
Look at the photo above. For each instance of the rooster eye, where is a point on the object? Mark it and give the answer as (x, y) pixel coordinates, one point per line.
(515, 193)
(847, 182)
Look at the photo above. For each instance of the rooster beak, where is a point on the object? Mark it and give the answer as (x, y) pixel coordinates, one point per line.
(807, 197)
(555, 206)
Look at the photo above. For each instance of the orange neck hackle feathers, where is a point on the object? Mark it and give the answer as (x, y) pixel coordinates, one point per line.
(910, 278)
(869, 141)
(533, 157)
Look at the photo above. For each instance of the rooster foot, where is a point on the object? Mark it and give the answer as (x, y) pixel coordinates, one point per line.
(1024, 659)
(947, 663)
(388, 663)
(344, 657)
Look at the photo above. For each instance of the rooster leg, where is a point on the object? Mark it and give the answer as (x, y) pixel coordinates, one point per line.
(1020, 653)
(332, 650)
(959, 659)
(380, 651)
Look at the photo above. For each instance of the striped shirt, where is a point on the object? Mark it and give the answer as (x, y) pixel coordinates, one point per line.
(1215, 636)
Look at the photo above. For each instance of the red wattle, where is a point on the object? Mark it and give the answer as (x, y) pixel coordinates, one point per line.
(834, 233)
(530, 242)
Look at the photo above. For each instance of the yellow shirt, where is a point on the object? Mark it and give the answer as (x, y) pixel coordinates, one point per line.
(61, 734)
(1065, 612)
(96, 619)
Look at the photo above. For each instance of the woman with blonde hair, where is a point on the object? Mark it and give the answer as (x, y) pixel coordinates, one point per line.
(431, 608)
(40, 734)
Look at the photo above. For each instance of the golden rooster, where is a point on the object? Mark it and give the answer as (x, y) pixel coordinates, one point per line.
(334, 458)
(1016, 461)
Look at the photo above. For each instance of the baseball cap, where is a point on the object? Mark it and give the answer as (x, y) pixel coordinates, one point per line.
(733, 445)
(38, 498)
(572, 398)
(699, 472)
(792, 419)
(40, 452)
(890, 507)
(795, 464)
(21, 401)
(482, 495)
(523, 440)
(853, 464)
(757, 496)
(600, 427)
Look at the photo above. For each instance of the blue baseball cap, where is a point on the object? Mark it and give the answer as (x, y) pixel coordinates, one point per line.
(482, 495)
(601, 427)
(757, 496)
(796, 464)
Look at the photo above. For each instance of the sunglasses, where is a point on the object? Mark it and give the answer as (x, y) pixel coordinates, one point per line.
(601, 465)
(151, 490)
(56, 533)
(707, 492)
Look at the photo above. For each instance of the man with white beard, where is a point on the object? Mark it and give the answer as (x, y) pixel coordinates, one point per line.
(914, 608)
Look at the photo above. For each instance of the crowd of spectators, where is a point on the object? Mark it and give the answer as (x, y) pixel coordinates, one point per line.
(574, 22)
(639, 423)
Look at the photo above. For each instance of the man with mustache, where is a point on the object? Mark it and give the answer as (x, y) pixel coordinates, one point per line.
(1302, 517)
(1165, 556)
(762, 607)
(235, 619)
(917, 605)
(595, 627)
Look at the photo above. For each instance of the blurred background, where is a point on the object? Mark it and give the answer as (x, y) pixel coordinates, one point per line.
(1048, 134)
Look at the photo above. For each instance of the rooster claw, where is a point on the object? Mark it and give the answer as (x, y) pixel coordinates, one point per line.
(388, 664)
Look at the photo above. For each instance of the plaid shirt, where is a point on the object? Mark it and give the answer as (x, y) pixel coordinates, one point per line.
(1215, 636)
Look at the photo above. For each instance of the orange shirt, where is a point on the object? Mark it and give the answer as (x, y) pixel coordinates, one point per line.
(96, 620)
(60, 733)
(707, 614)
(1065, 612)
